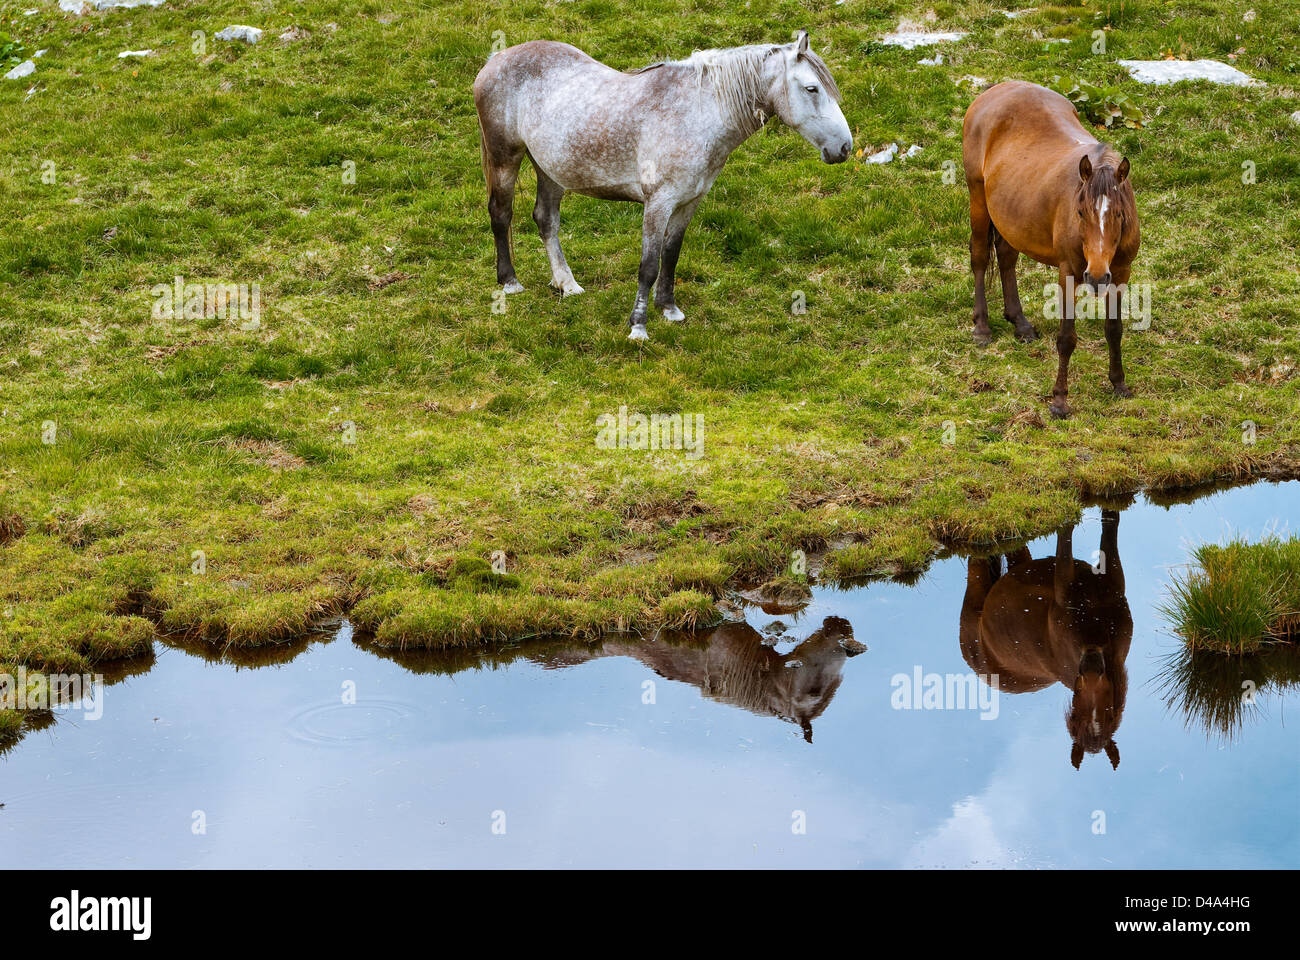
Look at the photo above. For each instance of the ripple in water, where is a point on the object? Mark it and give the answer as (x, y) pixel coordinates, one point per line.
(343, 723)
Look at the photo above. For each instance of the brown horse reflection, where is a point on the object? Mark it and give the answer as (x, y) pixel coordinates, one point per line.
(1055, 619)
(732, 665)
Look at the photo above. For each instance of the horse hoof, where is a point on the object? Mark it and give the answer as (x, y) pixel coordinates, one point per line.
(638, 332)
(982, 338)
(570, 288)
(513, 286)
(1122, 390)
(1028, 335)
(1060, 413)
(674, 314)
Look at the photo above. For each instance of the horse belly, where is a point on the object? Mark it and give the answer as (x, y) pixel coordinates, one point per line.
(1020, 219)
(584, 143)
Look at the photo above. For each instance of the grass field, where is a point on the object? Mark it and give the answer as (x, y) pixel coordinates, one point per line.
(382, 432)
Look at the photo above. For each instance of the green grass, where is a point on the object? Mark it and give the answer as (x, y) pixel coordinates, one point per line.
(1240, 597)
(383, 422)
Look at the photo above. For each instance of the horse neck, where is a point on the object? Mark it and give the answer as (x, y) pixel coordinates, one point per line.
(739, 81)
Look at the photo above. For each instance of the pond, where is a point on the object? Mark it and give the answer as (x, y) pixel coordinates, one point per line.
(862, 730)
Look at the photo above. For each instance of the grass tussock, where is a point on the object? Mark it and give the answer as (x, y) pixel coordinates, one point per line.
(1239, 597)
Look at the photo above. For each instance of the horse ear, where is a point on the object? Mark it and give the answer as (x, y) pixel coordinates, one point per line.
(1085, 167)
(801, 43)
(1121, 173)
(1112, 754)
(1076, 755)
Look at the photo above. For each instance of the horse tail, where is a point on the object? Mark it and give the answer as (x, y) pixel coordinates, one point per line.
(483, 158)
(994, 237)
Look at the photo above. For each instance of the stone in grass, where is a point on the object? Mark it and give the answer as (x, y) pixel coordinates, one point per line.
(911, 39)
(24, 69)
(240, 32)
(80, 7)
(1175, 71)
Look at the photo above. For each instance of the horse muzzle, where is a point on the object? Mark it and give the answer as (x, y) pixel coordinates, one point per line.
(831, 155)
(1096, 284)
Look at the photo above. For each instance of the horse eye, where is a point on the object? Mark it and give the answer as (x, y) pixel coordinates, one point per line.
(811, 89)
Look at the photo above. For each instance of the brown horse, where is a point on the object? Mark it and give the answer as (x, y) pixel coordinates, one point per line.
(1042, 185)
(1055, 619)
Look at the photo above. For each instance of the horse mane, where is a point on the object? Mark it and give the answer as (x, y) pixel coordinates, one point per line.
(735, 75)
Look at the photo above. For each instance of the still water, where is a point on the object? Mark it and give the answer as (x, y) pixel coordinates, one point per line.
(778, 742)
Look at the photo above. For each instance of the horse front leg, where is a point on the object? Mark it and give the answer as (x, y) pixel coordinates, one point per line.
(665, 295)
(653, 226)
(1109, 549)
(1065, 341)
(1115, 329)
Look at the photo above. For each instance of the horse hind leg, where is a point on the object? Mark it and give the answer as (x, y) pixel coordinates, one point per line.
(981, 234)
(546, 214)
(501, 162)
(1011, 306)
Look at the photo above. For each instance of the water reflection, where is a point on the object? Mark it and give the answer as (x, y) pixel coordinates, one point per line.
(1032, 623)
(1053, 620)
(66, 694)
(1218, 693)
(732, 664)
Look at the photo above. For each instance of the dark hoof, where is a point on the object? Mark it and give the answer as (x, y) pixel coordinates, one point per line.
(1122, 390)
(982, 338)
(1060, 413)
(1026, 334)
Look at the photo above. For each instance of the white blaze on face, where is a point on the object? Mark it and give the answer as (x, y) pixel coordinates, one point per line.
(1102, 206)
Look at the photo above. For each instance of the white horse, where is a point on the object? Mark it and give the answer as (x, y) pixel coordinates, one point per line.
(657, 136)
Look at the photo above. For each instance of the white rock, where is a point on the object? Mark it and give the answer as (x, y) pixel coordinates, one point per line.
(884, 156)
(935, 61)
(1174, 71)
(1295, 117)
(911, 39)
(39, 53)
(240, 32)
(912, 151)
(134, 53)
(24, 69)
(28, 13)
(80, 7)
